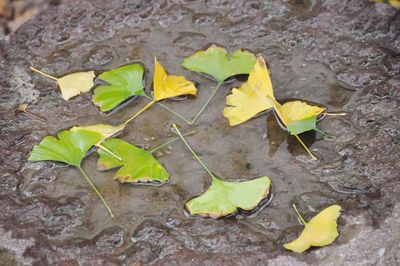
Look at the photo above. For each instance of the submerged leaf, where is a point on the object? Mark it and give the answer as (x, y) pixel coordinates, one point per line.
(123, 83)
(226, 197)
(320, 231)
(300, 126)
(215, 62)
(251, 98)
(70, 147)
(137, 165)
(168, 86)
(73, 84)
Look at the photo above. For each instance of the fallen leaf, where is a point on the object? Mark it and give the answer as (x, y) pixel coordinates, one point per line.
(251, 98)
(73, 84)
(24, 108)
(70, 148)
(216, 63)
(168, 86)
(223, 198)
(226, 197)
(136, 166)
(300, 126)
(320, 231)
(297, 110)
(123, 83)
(106, 131)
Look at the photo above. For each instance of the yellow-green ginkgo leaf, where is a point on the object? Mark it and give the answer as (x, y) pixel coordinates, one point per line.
(223, 198)
(106, 131)
(320, 231)
(168, 86)
(73, 84)
(297, 110)
(252, 97)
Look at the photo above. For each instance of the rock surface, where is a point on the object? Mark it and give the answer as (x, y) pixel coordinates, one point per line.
(343, 54)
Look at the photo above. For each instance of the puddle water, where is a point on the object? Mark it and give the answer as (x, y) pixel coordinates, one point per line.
(150, 223)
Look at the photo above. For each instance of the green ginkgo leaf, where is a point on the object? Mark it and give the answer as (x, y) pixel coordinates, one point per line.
(123, 83)
(70, 148)
(136, 165)
(223, 198)
(215, 62)
(300, 126)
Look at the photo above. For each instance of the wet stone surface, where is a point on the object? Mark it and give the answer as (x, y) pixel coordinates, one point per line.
(343, 54)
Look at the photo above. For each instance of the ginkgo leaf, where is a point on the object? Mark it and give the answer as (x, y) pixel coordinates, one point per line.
(168, 86)
(226, 197)
(216, 63)
(136, 166)
(69, 148)
(251, 98)
(223, 198)
(123, 83)
(300, 126)
(320, 231)
(297, 110)
(105, 130)
(73, 84)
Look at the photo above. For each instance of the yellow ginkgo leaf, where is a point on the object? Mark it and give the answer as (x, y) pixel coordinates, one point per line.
(168, 86)
(73, 84)
(252, 97)
(320, 231)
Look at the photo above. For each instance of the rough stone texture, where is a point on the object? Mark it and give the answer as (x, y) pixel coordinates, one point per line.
(343, 54)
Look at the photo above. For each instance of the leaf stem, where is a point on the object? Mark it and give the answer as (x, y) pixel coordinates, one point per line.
(206, 104)
(168, 109)
(34, 115)
(138, 113)
(336, 114)
(44, 74)
(305, 147)
(325, 134)
(171, 141)
(192, 151)
(97, 191)
(109, 151)
(299, 215)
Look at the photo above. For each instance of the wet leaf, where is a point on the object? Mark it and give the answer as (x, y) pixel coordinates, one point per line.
(297, 111)
(69, 148)
(300, 126)
(320, 231)
(73, 84)
(106, 131)
(216, 63)
(251, 98)
(168, 86)
(226, 197)
(136, 166)
(123, 83)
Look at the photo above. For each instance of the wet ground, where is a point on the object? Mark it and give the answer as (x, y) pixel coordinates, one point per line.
(343, 54)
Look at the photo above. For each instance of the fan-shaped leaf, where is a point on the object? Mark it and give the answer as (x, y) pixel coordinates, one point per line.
(70, 147)
(226, 197)
(123, 83)
(137, 165)
(320, 231)
(73, 84)
(215, 62)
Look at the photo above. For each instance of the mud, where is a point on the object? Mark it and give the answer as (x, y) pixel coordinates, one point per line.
(341, 54)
